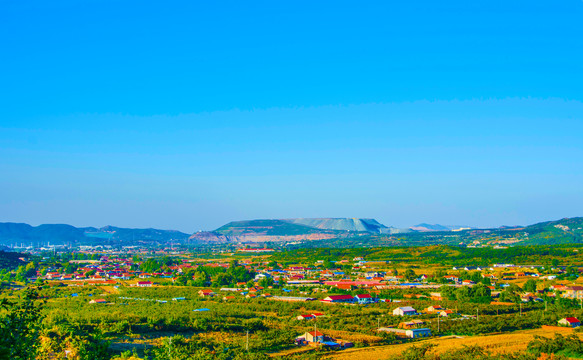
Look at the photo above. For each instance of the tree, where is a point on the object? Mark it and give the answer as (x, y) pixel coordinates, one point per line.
(20, 326)
(481, 294)
(30, 269)
(222, 279)
(463, 294)
(328, 264)
(266, 282)
(530, 285)
(410, 275)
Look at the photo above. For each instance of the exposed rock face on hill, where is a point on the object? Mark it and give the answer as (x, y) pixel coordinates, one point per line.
(346, 224)
(209, 237)
(290, 230)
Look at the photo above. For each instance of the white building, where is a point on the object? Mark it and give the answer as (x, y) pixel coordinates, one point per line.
(403, 311)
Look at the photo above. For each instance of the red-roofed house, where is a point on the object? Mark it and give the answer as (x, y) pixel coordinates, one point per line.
(206, 293)
(365, 299)
(98, 301)
(339, 299)
(306, 317)
(570, 321)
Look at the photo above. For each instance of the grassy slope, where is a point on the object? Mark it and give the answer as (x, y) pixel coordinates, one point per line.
(556, 232)
(503, 343)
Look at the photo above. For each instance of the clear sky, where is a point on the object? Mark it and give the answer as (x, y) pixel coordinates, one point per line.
(186, 115)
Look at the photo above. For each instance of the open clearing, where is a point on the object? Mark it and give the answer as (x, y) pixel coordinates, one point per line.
(499, 343)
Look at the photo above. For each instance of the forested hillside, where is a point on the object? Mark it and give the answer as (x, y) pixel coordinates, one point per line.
(11, 260)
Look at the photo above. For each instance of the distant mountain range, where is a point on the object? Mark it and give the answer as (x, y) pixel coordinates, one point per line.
(281, 230)
(61, 234)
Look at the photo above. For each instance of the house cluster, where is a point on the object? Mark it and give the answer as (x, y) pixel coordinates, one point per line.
(107, 271)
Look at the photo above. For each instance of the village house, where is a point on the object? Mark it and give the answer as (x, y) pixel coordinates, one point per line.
(365, 299)
(144, 284)
(339, 299)
(404, 311)
(98, 301)
(435, 296)
(570, 321)
(413, 324)
(416, 333)
(445, 313)
(574, 292)
(434, 308)
(345, 286)
(410, 333)
(313, 337)
(206, 293)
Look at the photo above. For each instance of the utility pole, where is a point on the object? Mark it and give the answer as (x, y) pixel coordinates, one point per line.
(438, 323)
(315, 332)
(521, 309)
(477, 315)
(546, 308)
(378, 324)
(247, 343)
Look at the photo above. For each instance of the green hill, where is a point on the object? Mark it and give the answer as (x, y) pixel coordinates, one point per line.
(125, 234)
(57, 234)
(564, 231)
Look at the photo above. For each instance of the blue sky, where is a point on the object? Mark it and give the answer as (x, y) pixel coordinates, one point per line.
(188, 115)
